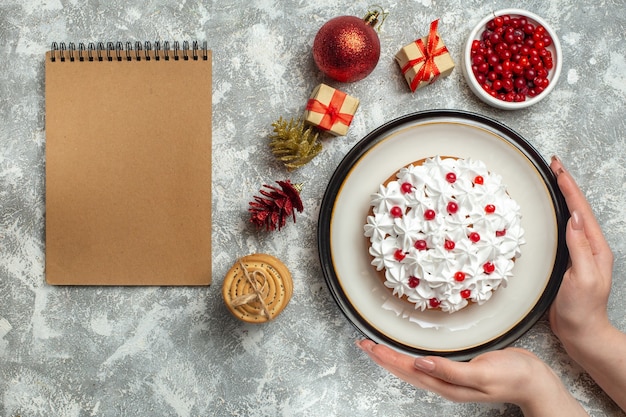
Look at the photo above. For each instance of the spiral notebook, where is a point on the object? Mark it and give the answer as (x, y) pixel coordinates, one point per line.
(128, 164)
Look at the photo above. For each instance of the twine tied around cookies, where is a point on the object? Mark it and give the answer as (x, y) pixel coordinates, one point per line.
(258, 282)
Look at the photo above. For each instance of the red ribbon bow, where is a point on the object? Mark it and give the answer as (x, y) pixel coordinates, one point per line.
(429, 52)
(331, 111)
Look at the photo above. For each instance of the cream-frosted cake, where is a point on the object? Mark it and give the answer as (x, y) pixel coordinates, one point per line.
(444, 232)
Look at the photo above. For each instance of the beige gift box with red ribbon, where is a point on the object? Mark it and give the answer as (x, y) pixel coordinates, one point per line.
(330, 110)
(423, 61)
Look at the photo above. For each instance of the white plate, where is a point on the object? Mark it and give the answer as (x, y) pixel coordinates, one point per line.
(354, 283)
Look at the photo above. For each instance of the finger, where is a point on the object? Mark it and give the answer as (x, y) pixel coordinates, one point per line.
(403, 366)
(456, 381)
(578, 245)
(442, 369)
(387, 357)
(390, 360)
(573, 195)
(456, 373)
(576, 201)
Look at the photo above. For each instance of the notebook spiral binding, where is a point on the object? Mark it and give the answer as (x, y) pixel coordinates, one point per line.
(137, 51)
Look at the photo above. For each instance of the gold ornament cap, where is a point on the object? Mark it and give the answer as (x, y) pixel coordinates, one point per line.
(372, 17)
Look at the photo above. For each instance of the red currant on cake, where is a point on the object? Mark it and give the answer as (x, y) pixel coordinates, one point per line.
(434, 303)
(490, 209)
(406, 187)
(414, 281)
(479, 180)
(430, 214)
(399, 255)
(500, 233)
(451, 177)
(459, 276)
(396, 211)
(452, 207)
(421, 244)
(466, 293)
(449, 244)
(474, 237)
(489, 267)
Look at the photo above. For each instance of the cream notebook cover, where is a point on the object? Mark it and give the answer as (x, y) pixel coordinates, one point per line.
(128, 165)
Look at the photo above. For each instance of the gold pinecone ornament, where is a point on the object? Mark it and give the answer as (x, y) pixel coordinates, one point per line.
(293, 144)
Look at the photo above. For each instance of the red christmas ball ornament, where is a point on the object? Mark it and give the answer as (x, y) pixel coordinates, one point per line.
(347, 48)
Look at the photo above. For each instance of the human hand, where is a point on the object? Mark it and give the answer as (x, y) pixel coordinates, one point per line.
(579, 310)
(511, 375)
(578, 315)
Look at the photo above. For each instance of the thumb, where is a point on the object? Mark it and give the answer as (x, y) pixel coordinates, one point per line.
(578, 245)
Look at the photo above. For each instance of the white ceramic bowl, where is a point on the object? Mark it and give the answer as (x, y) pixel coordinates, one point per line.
(553, 75)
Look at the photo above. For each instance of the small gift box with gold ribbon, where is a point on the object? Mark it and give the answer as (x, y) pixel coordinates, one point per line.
(425, 60)
(330, 110)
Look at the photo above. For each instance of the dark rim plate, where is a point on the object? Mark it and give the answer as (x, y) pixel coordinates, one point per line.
(354, 283)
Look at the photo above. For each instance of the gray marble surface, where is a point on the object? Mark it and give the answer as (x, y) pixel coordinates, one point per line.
(94, 351)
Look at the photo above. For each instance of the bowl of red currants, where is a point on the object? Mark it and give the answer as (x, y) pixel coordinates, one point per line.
(512, 59)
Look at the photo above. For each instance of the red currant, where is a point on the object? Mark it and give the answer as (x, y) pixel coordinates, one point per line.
(421, 244)
(430, 214)
(529, 29)
(479, 180)
(490, 209)
(489, 267)
(449, 244)
(500, 233)
(399, 255)
(466, 294)
(396, 211)
(541, 82)
(524, 62)
(459, 276)
(451, 177)
(413, 281)
(406, 187)
(548, 63)
(547, 40)
(474, 237)
(434, 303)
(478, 59)
(452, 207)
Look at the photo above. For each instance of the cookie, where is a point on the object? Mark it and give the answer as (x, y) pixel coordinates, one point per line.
(257, 288)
